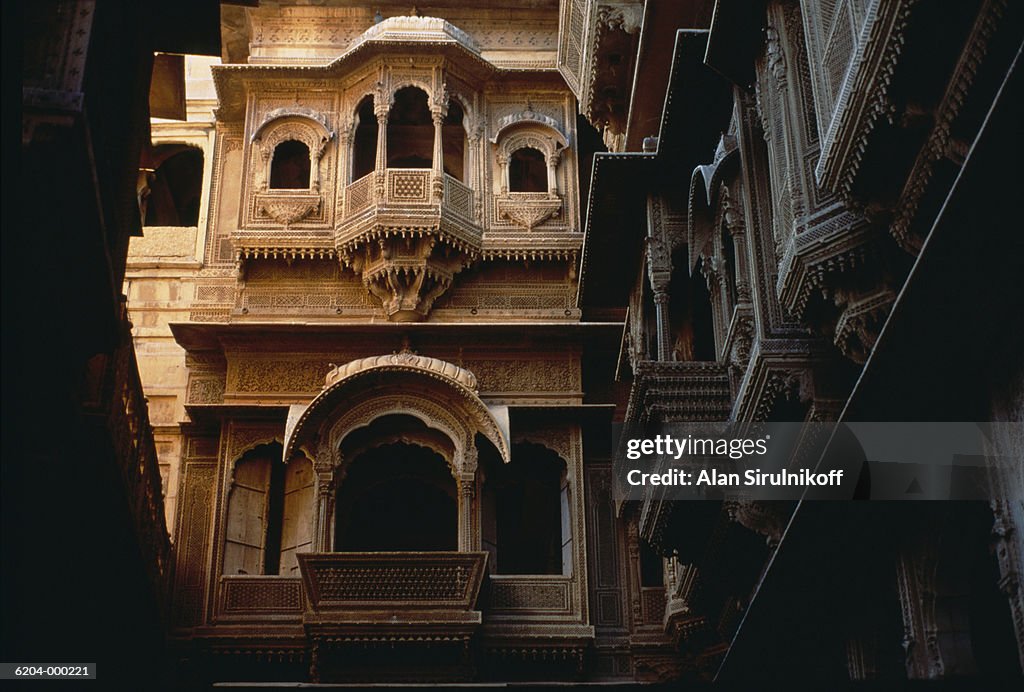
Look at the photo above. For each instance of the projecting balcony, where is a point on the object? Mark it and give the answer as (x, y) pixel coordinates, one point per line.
(407, 232)
(408, 201)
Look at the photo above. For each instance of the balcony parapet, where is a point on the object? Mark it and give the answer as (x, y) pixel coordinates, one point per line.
(393, 592)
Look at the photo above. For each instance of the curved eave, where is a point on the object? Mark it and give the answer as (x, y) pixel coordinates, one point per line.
(229, 80)
(325, 402)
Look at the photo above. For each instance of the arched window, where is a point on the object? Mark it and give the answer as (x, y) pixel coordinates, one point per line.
(173, 189)
(410, 130)
(527, 525)
(289, 168)
(527, 171)
(453, 137)
(269, 516)
(364, 143)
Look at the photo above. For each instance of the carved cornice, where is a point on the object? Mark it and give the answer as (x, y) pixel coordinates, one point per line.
(434, 366)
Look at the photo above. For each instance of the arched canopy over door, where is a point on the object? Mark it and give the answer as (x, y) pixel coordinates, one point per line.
(441, 394)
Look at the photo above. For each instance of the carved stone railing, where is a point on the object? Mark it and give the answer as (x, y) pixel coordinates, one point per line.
(359, 195)
(288, 206)
(458, 198)
(123, 404)
(392, 592)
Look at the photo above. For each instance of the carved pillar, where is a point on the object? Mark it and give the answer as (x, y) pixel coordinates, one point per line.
(552, 161)
(381, 111)
(735, 227)
(659, 272)
(474, 166)
(467, 493)
(323, 528)
(437, 182)
(503, 166)
(324, 513)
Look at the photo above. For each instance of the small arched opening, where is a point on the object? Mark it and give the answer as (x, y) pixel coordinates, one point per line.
(290, 166)
(410, 138)
(174, 188)
(527, 171)
(364, 141)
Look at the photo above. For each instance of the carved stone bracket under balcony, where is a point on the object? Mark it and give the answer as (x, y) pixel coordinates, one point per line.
(406, 242)
(288, 207)
(408, 272)
(528, 209)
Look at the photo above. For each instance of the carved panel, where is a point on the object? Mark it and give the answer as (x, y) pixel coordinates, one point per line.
(521, 594)
(248, 376)
(261, 595)
(518, 375)
(195, 508)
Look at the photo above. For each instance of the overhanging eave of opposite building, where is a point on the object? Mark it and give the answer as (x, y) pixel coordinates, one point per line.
(697, 107)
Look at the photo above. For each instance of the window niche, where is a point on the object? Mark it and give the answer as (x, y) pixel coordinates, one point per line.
(528, 158)
(453, 138)
(289, 166)
(527, 171)
(270, 513)
(397, 497)
(690, 315)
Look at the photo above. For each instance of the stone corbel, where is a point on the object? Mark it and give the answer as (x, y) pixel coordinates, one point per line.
(765, 518)
(861, 322)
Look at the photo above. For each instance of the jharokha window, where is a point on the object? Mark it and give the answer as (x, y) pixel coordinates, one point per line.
(289, 169)
(269, 513)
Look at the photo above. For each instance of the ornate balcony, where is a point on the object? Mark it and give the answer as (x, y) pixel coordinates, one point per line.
(425, 594)
(407, 232)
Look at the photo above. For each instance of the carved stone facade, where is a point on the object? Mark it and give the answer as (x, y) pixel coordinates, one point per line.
(383, 356)
(801, 178)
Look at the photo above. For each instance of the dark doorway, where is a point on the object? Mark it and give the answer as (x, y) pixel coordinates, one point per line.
(175, 186)
(410, 130)
(364, 146)
(397, 497)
